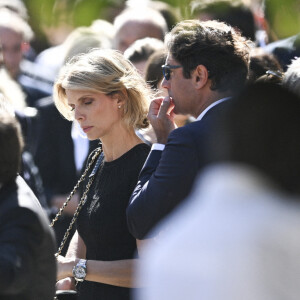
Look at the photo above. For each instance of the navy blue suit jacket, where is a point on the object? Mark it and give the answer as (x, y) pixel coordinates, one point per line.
(168, 176)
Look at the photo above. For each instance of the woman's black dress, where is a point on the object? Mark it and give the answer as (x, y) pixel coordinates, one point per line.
(102, 221)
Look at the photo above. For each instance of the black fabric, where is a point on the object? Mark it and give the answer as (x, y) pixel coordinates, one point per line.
(55, 159)
(102, 221)
(27, 263)
(33, 93)
(168, 176)
(55, 151)
(30, 173)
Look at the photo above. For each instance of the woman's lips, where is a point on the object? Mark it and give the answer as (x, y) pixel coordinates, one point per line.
(87, 128)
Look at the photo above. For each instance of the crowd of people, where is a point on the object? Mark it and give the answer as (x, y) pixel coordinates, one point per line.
(150, 157)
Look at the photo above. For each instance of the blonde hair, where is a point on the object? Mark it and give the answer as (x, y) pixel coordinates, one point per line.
(105, 71)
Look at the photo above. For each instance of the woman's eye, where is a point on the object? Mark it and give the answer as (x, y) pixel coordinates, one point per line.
(88, 102)
(72, 108)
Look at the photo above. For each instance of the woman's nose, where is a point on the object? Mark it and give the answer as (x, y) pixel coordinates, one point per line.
(78, 114)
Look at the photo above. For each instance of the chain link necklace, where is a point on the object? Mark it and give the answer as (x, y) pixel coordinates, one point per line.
(83, 198)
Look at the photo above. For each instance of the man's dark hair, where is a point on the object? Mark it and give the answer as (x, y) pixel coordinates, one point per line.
(217, 46)
(11, 145)
(260, 128)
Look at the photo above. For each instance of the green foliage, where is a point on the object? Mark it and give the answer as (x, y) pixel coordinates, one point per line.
(283, 17)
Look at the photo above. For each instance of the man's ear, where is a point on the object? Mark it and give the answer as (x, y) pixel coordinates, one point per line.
(200, 76)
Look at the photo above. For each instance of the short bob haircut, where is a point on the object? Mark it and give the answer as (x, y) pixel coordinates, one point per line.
(105, 71)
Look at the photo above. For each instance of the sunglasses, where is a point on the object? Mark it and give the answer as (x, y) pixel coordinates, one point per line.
(167, 70)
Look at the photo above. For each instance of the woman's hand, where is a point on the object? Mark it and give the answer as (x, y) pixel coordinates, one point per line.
(65, 284)
(65, 266)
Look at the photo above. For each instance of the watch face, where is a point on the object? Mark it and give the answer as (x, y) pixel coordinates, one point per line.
(79, 272)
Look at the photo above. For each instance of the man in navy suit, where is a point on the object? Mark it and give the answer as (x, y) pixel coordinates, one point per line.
(207, 63)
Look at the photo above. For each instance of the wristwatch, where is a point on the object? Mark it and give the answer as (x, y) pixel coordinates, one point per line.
(79, 271)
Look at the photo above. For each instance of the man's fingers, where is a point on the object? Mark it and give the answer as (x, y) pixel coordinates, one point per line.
(171, 107)
(165, 105)
(154, 107)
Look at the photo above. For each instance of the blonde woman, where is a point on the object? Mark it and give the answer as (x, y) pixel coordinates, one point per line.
(104, 93)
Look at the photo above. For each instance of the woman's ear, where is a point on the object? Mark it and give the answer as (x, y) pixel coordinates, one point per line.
(121, 96)
(200, 76)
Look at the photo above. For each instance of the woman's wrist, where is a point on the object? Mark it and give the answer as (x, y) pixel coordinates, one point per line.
(65, 267)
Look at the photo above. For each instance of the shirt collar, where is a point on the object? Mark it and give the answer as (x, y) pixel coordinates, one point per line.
(209, 107)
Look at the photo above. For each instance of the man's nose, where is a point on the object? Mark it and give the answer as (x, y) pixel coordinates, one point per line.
(165, 83)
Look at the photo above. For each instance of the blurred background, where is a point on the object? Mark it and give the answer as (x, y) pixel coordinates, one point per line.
(52, 20)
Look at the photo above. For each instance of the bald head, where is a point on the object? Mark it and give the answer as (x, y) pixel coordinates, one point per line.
(135, 24)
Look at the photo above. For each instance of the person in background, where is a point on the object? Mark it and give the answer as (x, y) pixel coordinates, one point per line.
(136, 23)
(27, 245)
(235, 13)
(15, 35)
(262, 62)
(170, 12)
(109, 99)
(99, 34)
(14, 100)
(207, 63)
(18, 7)
(287, 47)
(139, 52)
(237, 235)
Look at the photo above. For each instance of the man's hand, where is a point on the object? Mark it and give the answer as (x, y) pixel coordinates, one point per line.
(161, 117)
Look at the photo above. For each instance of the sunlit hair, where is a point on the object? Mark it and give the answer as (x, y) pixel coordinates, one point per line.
(14, 22)
(105, 71)
(17, 6)
(144, 15)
